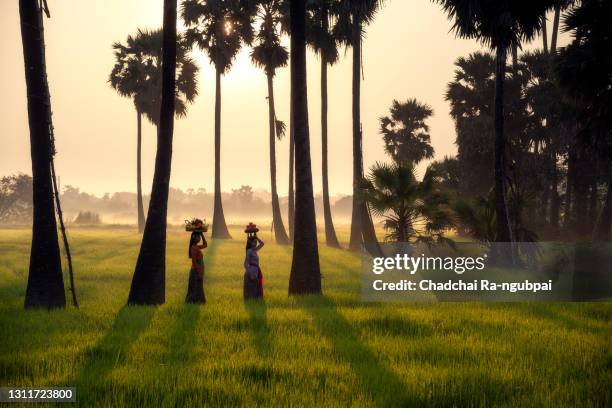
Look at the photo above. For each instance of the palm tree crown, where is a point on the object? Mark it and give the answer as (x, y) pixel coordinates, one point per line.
(219, 28)
(137, 73)
(268, 53)
(321, 17)
(405, 131)
(497, 23)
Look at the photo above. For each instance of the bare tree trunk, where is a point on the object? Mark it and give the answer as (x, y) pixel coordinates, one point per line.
(45, 287)
(277, 219)
(149, 280)
(330, 233)
(60, 217)
(356, 238)
(291, 193)
(305, 271)
(141, 216)
(219, 227)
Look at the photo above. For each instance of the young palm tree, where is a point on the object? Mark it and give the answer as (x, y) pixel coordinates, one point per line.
(270, 55)
(500, 25)
(137, 75)
(305, 272)
(413, 210)
(353, 16)
(405, 132)
(320, 15)
(45, 287)
(219, 28)
(149, 280)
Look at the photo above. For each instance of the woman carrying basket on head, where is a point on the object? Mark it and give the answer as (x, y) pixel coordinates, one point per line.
(253, 278)
(195, 288)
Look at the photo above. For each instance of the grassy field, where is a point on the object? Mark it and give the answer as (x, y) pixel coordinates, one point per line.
(330, 350)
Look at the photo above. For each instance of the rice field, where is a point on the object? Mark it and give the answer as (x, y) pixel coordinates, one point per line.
(329, 350)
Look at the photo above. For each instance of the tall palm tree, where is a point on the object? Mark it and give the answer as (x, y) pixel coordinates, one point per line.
(320, 14)
(137, 75)
(45, 287)
(353, 16)
(584, 72)
(270, 55)
(499, 25)
(149, 280)
(405, 132)
(305, 274)
(219, 28)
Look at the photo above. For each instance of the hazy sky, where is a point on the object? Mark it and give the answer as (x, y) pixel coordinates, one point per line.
(408, 53)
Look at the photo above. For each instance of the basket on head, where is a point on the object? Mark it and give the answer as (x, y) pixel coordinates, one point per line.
(251, 229)
(196, 225)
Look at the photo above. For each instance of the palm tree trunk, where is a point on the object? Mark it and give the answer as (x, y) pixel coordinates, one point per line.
(362, 227)
(305, 274)
(555, 33)
(141, 217)
(149, 280)
(504, 234)
(277, 219)
(291, 199)
(45, 287)
(330, 233)
(544, 34)
(554, 199)
(603, 224)
(567, 217)
(219, 227)
(580, 193)
(356, 238)
(593, 201)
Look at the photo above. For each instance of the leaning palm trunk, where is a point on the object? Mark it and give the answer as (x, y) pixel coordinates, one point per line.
(504, 233)
(219, 227)
(45, 287)
(149, 280)
(330, 233)
(139, 203)
(305, 273)
(277, 219)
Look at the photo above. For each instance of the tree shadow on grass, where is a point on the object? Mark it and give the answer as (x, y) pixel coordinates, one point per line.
(110, 350)
(181, 339)
(258, 321)
(383, 385)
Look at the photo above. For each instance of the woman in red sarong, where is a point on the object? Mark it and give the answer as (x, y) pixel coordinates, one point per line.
(195, 288)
